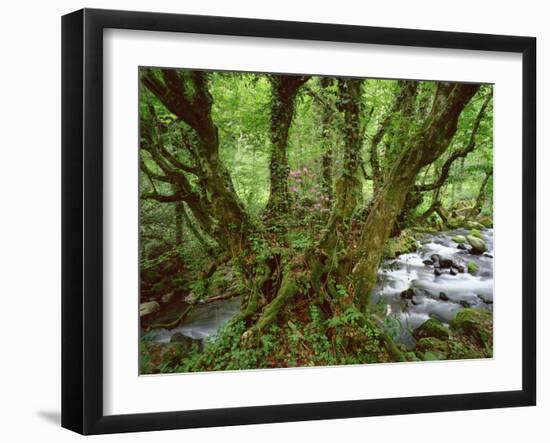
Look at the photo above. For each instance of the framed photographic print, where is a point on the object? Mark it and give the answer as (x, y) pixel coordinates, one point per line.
(269, 221)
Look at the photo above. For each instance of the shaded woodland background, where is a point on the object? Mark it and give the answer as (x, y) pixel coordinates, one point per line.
(287, 193)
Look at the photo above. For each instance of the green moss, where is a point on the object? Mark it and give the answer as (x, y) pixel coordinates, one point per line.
(486, 221)
(474, 225)
(472, 267)
(478, 245)
(460, 239)
(431, 344)
(476, 233)
(431, 328)
(430, 356)
(404, 244)
(472, 319)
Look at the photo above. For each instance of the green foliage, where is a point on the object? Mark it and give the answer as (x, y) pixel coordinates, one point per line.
(186, 224)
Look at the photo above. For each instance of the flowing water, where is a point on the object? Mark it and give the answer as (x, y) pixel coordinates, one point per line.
(203, 320)
(437, 296)
(395, 276)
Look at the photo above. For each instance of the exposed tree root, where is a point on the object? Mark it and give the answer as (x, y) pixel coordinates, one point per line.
(171, 324)
(289, 287)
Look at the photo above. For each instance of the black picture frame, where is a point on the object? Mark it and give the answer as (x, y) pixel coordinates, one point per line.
(82, 218)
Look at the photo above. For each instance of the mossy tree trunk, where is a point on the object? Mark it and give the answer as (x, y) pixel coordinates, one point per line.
(424, 147)
(481, 195)
(284, 91)
(401, 107)
(218, 209)
(347, 192)
(327, 123)
(414, 197)
(178, 212)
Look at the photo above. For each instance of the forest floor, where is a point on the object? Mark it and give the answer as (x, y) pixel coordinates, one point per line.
(433, 301)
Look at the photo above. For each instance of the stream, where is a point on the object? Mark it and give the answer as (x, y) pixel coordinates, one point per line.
(437, 296)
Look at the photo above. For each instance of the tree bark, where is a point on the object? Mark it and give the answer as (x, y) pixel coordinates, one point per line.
(284, 90)
(178, 209)
(186, 95)
(401, 105)
(348, 185)
(327, 121)
(480, 200)
(424, 147)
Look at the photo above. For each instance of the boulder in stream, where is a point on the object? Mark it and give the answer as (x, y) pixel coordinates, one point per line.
(460, 239)
(445, 262)
(478, 245)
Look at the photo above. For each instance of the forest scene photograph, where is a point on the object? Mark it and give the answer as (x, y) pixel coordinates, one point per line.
(301, 220)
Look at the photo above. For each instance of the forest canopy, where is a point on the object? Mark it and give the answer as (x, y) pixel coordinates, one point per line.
(284, 196)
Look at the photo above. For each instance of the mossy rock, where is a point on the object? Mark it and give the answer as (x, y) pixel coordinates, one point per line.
(404, 244)
(431, 344)
(431, 328)
(411, 356)
(476, 324)
(476, 233)
(478, 245)
(460, 239)
(472, 267)
(486, 221)
(431, 356)
(474, 225)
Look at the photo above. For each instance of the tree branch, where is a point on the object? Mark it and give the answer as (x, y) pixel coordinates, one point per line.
(461, 153)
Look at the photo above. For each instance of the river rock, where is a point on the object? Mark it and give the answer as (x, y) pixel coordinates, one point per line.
(443, 296)
(474, 225)
(476, 233)
(428, 262)
(407, 294)
(431, 328)
(461, 246)
(445, 262)
(460, 239)
(486, 298)
(478, 245)
(434, 258)
(437, 272)
(452, 271)
(148, 308)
